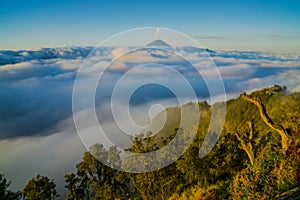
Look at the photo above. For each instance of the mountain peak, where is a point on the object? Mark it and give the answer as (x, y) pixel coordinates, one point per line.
(158, 43)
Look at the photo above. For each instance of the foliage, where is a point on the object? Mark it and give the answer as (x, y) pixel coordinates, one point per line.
(5, 193)
(98, 180)
(40, 188)
(259, 169)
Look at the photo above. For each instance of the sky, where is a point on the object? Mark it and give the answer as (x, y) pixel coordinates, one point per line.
(232, 25)
(37, 130)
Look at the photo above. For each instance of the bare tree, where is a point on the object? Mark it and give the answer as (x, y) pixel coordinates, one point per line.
(246, 145)
(285, 140)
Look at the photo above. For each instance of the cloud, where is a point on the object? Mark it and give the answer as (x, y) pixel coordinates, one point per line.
(37, 68)
(236, 71)
(57, 154)
(32, 106)
(119, 51)
(40, 90)
(12, 67)
(36, 94)
(69, 64)
(146, 55)
(289, 78)
(52, 156)
(281, 64)
(36, 119)
(13, 57)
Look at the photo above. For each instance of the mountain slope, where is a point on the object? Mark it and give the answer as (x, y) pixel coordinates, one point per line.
(158, 43)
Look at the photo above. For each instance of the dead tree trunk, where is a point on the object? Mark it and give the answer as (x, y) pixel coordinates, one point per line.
(247, 146)
(285, 140)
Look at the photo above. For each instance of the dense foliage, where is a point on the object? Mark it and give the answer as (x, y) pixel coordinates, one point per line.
(40, 187)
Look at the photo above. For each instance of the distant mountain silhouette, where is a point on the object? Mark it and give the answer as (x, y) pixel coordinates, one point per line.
(158, 43)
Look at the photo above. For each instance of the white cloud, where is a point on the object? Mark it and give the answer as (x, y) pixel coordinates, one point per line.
(288, 78)
(52, 156)
(12, 67)
(119, 51)
(230, 72)
(237, 71)
(36, 97)
(276, 63)
(69, 64)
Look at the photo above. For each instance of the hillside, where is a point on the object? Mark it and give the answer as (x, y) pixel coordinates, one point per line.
(249, 160)
(281, 105)
(256, 156)
(158, 43)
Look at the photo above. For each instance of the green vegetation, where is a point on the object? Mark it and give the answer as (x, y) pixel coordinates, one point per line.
(5, 193)
(256, 157)
(40, 188)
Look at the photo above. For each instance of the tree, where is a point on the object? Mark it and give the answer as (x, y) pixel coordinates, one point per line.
(285, 140)
(40, 187)
(5, 193)
(225, 173)
(244, 144)
(76, 187)
(97, 177)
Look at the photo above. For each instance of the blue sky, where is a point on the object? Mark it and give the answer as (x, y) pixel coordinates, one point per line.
(36, 119)
(242, 25)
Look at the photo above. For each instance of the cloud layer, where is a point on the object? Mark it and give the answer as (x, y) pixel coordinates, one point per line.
(36, 123)
(36, 86)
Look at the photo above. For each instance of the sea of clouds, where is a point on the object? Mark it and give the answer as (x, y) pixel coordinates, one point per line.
(37, 132)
